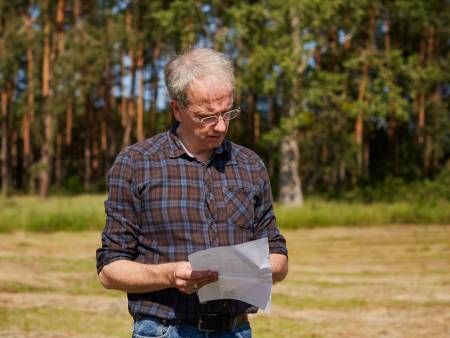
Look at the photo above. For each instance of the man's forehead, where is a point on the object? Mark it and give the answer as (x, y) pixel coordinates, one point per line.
(210, 90)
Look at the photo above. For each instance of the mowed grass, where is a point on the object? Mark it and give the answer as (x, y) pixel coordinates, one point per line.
(390, 281)
(86, 212)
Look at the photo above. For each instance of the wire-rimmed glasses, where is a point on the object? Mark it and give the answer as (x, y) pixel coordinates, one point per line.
(213, 119)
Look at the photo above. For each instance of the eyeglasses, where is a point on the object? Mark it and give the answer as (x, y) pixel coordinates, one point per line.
(213, 119)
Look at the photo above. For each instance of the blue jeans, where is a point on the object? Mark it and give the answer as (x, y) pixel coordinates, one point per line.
(148, 328)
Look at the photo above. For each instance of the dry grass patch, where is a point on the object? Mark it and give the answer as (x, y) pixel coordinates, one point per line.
(387, 281)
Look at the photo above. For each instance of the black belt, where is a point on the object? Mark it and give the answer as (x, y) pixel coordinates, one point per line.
(208, 322)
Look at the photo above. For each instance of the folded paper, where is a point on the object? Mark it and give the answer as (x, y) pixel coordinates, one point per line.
(244, 273)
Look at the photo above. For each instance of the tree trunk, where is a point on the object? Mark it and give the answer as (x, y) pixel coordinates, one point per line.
(58, 159)
(251, 114)
(87, 145)
(271, 122)
(28, 116)
(5, 144)
(421, 95)
(427, 154)
(47, 147)
(140, 98)
(154, 82)
(359, 123)
(428, 150)
(60, 38)
(130, 114)
(290, 187)
(387, 36)
(123, 97)
(290, 184)
(69, 122)
(126, 141)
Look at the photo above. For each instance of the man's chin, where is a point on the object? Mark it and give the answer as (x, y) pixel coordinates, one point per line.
(217, 141)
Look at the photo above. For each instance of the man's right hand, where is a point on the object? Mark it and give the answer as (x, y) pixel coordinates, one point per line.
(189, 281)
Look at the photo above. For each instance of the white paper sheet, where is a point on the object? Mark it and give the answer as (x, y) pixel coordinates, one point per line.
(244, 273)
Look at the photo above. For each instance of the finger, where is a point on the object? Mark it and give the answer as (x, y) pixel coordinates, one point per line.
(190, 288)
(206, 280)
(199, 274)
(198, 284)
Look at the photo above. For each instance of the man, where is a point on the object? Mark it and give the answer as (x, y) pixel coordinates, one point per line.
(182, 191)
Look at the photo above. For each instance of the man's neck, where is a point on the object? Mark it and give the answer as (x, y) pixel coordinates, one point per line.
(203, 156)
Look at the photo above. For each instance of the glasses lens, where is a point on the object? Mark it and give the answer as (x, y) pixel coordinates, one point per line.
(209, 120)
(231, 114)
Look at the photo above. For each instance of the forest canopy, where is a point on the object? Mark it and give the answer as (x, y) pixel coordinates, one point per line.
(335, 94)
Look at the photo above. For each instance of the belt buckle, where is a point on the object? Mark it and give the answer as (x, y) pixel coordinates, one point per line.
(203, 323)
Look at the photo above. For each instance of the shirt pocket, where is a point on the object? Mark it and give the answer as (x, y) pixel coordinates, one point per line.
(238, 206)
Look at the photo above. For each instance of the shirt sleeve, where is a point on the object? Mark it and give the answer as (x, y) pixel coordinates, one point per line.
(265, 222)
(119, 237)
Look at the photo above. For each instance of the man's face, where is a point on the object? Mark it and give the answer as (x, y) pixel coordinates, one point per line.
(206, 98)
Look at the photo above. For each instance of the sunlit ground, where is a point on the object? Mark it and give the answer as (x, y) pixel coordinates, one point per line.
(389, 281)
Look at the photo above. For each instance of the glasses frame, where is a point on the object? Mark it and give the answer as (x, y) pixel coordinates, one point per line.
(227, 116)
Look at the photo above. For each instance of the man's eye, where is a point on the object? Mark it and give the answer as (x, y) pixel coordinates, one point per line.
(209, 118)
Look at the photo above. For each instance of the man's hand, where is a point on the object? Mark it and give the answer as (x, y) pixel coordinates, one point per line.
(279, 267)
(189, 281)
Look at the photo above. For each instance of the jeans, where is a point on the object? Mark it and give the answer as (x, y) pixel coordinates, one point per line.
(148, 328)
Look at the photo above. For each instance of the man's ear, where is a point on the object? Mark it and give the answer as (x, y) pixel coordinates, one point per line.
(175, 109)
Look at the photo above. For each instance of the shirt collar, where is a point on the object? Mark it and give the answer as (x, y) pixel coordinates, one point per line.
(177, 148)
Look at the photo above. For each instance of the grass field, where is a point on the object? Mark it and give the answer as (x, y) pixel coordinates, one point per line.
(381, 281)
(86, 212)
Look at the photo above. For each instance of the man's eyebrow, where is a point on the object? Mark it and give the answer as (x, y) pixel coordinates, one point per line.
(204, 113)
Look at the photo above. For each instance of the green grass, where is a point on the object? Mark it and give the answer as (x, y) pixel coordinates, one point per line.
(86, 212)
(320, 213)
(31, 213)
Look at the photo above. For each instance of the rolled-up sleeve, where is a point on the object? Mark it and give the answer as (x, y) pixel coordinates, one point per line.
(119, 237)
(265, 222)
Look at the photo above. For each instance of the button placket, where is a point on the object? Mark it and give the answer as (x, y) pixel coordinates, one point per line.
(212, 207)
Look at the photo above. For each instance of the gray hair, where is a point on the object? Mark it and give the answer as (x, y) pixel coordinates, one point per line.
(196, 63)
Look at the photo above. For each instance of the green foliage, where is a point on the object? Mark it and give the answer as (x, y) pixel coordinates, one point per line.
(394, 189)
(300, 70)
(320, 213)
(84, 212)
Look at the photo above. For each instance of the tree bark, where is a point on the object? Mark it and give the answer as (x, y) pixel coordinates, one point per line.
(5, 144)
(123, 96)
(290, 187)
(253, 133)
(359, 123)
(87, 145)
(130, 107)
(28, 116)
(289, 181)
(69, 122)
(421, 95)
(140, 98)
(47, 147)
(60, 37)
(154, 83)
(361, 149)
(58, 159)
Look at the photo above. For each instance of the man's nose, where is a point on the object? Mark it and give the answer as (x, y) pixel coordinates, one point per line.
(221, 125)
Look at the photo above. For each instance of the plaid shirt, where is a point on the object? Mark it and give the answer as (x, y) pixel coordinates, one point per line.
(164, 205)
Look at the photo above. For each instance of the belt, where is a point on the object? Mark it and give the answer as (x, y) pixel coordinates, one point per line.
(208, 322)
